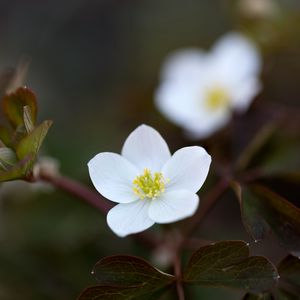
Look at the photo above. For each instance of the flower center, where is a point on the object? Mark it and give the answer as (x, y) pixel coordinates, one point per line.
(216, 98)
(149, 185)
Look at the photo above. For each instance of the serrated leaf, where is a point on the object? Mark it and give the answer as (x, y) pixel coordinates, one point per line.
(126, 277)
(282, 216)
(261, 296)
(33, 141)
(13, 105)
(228, 264)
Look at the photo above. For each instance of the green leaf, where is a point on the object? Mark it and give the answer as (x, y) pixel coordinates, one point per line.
(7, 158)
(282, 216)
(133, 275)
(33, 141)
(289, 270)
(127, 277)
(102, 292)
(18, 171)
(14, 103)
(251, 209)
(28, 119)
(261, 296)
(228, 264)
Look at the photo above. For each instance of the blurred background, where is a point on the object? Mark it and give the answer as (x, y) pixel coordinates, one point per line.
(94, 66)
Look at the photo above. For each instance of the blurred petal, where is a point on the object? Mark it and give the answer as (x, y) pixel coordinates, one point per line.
(236, 57)
(173, 206)
(244, 93)
(112, 176)
(184, 65)
(187, 169)
(145, 148)
(124, 219)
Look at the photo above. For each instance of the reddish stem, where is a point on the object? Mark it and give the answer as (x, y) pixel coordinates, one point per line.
(77, 189)
(178, 277)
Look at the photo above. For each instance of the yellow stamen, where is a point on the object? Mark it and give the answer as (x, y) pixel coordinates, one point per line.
(148, 185)
(217, 98)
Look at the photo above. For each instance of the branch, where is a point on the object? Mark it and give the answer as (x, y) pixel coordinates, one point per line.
(79, 190)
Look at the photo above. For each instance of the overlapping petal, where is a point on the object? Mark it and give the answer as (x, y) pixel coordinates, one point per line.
(187, 169)
(145, 148)
(129, 218)
(112, 176)
(173, 206)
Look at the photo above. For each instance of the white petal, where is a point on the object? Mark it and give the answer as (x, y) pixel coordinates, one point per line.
(179, 101)
(236, 57)
(112, 176)
(185, 64)
(187, 169)
(145, 148)
(124, 219)
(244, 93)
(207, 124)
(173, 206)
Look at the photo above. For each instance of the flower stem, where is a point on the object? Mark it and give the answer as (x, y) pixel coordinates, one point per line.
(178, 276)
(77, 189)
(84, 193)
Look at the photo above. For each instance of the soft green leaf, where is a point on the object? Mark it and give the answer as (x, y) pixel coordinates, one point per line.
(18, 171)
(28, 119)
(13, 105)
(260, 296)
(228, 264)
(33, 141)
(7, 158)
(127, 277)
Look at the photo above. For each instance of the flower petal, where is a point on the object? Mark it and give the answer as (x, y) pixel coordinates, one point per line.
(145, 148)
(185, 64)
(187, 169)
(173, 206)
(230, 51)
(128, 218)
(112, 176)
(244, 93)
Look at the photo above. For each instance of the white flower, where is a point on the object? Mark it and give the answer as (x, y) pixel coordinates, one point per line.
(150, 185)
(200, 90)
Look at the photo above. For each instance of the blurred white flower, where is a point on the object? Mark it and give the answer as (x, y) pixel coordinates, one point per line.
(150, 185)
(200, 90)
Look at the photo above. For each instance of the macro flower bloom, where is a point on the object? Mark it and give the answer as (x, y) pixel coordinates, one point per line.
(199, 90)
(150, 185)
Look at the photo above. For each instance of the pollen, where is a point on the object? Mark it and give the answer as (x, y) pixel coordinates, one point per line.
(149, 185)
(217, 98)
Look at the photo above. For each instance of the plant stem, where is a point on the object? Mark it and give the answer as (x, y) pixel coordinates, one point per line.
(79, 190)
(178, 276)
(84, 193)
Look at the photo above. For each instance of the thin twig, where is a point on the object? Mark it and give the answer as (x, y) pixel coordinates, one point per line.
(79, 190)
(84, 193)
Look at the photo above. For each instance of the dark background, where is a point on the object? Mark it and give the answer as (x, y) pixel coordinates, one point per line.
(94, 66)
